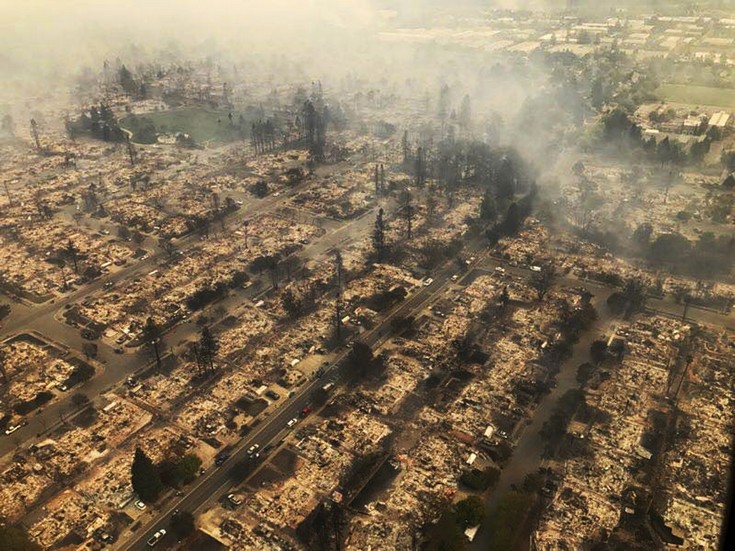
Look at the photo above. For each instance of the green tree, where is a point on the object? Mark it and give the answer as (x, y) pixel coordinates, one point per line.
(260, 189)
(470, 511)
(125, 78)
(446, 534)
(379, 235)
(505, 180)
(90, 350)
(72, 254)
(14, 538)
(145, 478)
(209, 346)
(642, 235)
(292, 304)
(187, 468)
(598, 351)
(506, 520)
(175, 473)
(361, 359)
(669, 247)
(123, 232)
(543, 281)
(167, 246)
(137, 237)
(152, 337)
(512, 222)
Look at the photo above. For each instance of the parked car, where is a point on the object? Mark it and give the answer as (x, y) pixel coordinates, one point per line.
(140, 505)
(428, 281)
(234, 500)
(155, 538)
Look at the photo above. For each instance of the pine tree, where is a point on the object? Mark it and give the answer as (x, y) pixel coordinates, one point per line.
(420, 168)
(404, 146)
(152, 337)
(291, 304)
(145, 477)
(379, 235)
(209, 346)
(71, 252)
(465, 113)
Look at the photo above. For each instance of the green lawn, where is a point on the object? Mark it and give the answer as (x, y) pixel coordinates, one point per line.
(697, 95)
(203, 125)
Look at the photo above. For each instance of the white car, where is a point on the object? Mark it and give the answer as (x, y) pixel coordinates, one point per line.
(11, 429)
(428, 281)
(234, 499)
(455, 277)
(535, 268)
(292, 422)
(139, 505)
(155, 538)
(500, 269)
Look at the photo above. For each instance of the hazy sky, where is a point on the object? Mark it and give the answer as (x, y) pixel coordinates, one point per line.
(41, 34)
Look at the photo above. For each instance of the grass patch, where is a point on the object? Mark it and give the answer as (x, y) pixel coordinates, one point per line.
(203, 125)
(697, 95)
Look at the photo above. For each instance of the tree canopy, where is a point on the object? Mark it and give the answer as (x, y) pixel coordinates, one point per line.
(470, 511)
(145, 478)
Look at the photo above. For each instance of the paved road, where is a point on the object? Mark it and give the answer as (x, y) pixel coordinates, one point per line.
(528, 450)
(218, 480)
(43, 318)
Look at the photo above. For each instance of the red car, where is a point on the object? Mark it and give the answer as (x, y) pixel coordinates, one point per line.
(306, 411)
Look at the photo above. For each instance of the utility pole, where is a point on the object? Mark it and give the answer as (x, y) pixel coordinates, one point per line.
(338, 318)
(7, 191)
(407, 211)
(690, 358)
(34, 132)
(339, 272)
(131, 151)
